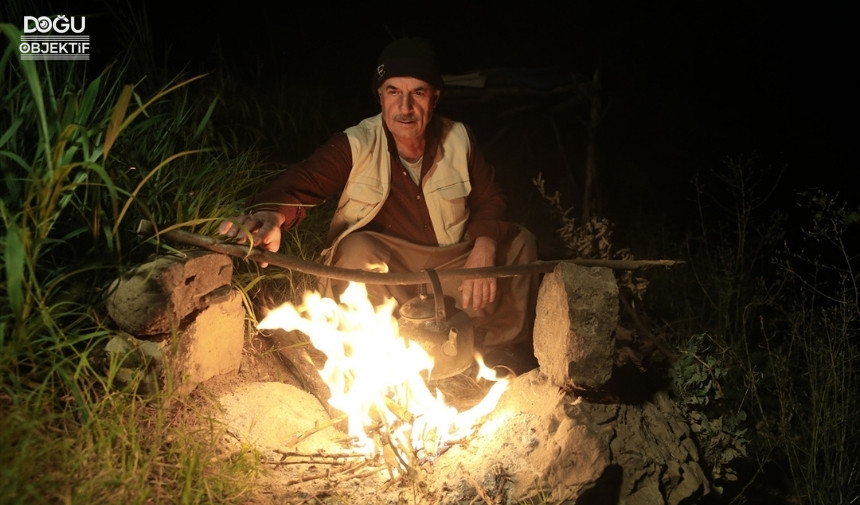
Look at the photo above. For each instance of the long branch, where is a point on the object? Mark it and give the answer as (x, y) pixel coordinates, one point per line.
(148, 229)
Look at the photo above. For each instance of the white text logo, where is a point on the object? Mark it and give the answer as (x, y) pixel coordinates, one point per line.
(60, 38)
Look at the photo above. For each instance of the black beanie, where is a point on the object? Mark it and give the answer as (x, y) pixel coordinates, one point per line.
(410, 57)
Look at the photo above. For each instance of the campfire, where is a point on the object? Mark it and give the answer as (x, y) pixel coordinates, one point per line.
(530, 439)
(379, 378)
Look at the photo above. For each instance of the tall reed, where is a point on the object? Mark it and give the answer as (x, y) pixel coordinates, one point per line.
(82, 160)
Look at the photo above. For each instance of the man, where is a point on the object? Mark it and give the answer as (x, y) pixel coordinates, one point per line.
(415, 193)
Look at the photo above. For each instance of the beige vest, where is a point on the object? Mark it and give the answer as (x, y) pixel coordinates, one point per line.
(445, 188)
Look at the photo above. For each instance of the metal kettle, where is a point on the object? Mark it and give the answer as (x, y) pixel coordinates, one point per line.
(445, 332)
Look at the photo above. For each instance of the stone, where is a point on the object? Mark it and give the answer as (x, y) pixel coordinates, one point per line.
(576, 316)
(139, 363)
(209, 345)
(272, 416)
(556, 448)
(654, 445)
(529, 439)
(156, 297)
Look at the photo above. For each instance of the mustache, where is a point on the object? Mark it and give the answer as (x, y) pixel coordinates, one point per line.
(405, 117)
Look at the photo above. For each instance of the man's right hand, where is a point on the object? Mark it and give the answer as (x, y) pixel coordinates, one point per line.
(264, 228)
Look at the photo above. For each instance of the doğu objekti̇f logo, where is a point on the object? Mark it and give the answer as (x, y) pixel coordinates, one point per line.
(49, 39)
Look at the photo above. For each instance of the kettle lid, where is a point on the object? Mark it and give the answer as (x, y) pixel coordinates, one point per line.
(423, 306)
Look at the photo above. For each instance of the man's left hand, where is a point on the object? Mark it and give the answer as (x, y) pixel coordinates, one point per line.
(477, 293)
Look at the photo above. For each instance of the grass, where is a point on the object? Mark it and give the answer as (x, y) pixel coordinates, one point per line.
(82, 160)
(116, 448)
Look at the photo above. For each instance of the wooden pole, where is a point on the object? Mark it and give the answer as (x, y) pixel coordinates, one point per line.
(591, 155)
(147, 228)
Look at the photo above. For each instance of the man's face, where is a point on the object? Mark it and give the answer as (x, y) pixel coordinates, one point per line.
(407, 106)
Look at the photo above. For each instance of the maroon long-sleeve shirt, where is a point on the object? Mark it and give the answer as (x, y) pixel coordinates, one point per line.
(404, 214)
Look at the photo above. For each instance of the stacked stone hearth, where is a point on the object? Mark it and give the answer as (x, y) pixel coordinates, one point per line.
(181, 321)
(564, 433)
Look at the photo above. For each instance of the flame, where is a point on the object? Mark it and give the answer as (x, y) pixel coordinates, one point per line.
(376, 267)
(375, 375)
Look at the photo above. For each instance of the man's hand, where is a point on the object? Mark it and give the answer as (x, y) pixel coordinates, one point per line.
(477, 293)
(264, 228)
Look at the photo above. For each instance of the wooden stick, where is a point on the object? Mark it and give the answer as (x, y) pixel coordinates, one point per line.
(327, 473)
(320, 457)
(316, 429)
(147, 228)
(399, 411)
(294, 348)
(310, 376)
(482, 493)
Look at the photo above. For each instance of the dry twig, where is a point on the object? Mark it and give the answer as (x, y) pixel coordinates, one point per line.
(327, 473)
(316, 429)
(299, 458)
(482, 493)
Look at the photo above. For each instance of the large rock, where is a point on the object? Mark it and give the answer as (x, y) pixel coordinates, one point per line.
(576, 315)
(273, 416)
(547, 447)
(529, 440)
(156, 297)
(211, 344)
(187, 305)
(140, 363)
(654, 446)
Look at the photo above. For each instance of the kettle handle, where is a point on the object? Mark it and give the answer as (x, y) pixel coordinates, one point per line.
(439, 297)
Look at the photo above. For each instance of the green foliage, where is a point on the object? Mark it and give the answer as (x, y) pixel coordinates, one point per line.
(66, 197)
(85, 154)
(83, 159)
(592, 240)
(697, 376)
(775, 325)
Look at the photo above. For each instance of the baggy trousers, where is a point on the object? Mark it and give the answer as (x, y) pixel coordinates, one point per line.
(506, 321)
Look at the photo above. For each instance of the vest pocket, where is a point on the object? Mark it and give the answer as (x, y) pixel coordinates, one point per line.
(362, 198)
(450, 200)
(453, 191)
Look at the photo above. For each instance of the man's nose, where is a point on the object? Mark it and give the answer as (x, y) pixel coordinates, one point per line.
(406, 102)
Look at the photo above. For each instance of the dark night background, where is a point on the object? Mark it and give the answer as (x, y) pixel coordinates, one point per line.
(685, 84)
